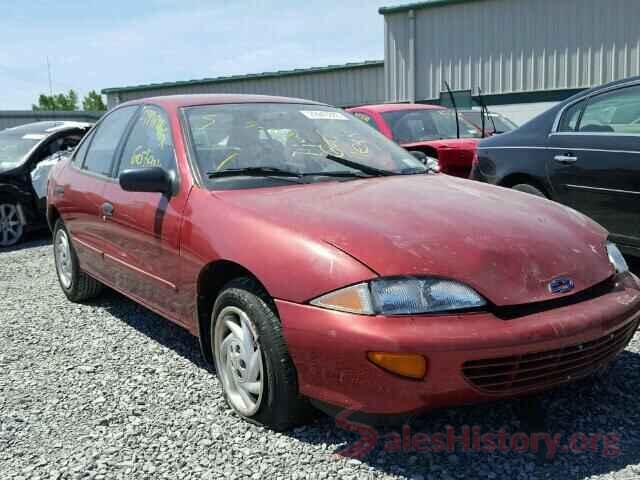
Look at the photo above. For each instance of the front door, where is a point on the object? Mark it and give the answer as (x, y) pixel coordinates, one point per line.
(143, 229)
(594, 161)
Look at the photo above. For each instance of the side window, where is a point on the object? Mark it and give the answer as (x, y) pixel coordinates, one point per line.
(613, 112)
(78, 158)
(570, 117)
(366, 118)
(106, 139)
(150, 143)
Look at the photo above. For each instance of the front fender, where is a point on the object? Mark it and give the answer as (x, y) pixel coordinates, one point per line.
(290, 265)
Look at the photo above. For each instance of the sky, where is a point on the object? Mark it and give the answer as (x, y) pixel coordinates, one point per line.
(93, 45)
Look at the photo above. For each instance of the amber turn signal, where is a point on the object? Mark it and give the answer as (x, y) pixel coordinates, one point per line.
(406, 364)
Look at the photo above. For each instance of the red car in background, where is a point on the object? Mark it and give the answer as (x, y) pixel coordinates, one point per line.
(426, 128)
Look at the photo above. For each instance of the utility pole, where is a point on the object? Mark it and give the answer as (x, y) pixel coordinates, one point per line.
(49, 72)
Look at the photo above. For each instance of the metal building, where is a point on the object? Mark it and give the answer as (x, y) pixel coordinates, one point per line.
(517, 51)
(343, 85)
(14, 118)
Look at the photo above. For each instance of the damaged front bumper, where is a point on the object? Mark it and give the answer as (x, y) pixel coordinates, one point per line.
(471, 357)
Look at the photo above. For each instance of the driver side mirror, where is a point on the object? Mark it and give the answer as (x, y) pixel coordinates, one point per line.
(152, 179)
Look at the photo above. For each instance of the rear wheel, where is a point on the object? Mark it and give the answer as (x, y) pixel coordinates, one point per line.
(526, 188)
(76, 285)
(252, 360)
(11, 224)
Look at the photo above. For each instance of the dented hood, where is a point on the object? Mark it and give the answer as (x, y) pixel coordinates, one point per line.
(506, 244)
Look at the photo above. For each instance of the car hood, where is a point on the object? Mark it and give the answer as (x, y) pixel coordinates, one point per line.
(506, 244)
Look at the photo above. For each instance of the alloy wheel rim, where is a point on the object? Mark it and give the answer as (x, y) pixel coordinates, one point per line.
(10, 225)
(239, 360)
(62, 251)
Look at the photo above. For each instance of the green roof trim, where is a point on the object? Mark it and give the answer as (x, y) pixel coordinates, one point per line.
(420, 6)
(250, 76)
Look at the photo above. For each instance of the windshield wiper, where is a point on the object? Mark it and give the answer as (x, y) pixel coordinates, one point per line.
(360, 166)
(362, 171)
(336, 174)
(254, 172)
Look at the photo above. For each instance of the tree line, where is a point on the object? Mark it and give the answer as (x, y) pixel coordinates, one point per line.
(68, 102)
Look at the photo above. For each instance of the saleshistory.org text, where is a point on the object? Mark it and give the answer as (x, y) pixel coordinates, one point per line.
(473, 438)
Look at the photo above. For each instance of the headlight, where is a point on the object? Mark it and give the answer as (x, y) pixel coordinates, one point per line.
(402, 296)
(616, 258)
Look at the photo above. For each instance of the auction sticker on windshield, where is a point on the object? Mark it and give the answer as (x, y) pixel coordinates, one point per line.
(323, 115)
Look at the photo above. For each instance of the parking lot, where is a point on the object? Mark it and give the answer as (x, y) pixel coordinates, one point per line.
(108, 389)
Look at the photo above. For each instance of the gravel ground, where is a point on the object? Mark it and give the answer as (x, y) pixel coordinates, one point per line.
(110, 390)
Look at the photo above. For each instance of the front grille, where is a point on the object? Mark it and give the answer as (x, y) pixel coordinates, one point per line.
(531, 371)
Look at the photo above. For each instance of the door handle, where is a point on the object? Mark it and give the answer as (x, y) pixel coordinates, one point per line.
(107, 210)
(568, 158)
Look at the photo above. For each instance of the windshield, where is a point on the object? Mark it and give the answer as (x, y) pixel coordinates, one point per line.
(270, 139)
(14, 147)
(410, 126)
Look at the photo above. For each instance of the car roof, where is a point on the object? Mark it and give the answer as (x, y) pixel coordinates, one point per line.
(179, 101)
(396, 107)
(596, 89)
(46, 128)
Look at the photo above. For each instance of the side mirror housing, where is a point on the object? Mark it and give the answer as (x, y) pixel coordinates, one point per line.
(153, 179)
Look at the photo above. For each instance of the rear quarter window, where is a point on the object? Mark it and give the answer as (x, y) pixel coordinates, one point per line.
(571, 116)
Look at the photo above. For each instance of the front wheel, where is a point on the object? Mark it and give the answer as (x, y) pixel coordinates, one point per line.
(76, 285)
(252, 360)
(11, 224)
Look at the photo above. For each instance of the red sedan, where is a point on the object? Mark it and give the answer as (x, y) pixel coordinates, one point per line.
(429, 129)
(317, 260)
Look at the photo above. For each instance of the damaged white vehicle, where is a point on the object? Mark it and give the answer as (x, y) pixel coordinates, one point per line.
(27, 154)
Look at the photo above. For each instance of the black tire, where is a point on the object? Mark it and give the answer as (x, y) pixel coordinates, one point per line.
(526, 188)
(281, 405)
(13, 233)
(82, 287)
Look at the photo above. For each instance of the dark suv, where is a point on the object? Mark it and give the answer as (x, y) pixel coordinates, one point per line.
(583, 152)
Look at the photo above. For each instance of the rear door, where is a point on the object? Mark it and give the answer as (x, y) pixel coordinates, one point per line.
(82, 192)
(594, 160)
(142, 229)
